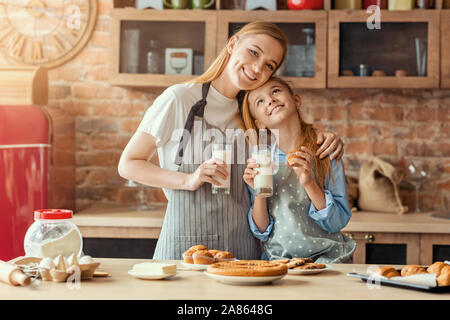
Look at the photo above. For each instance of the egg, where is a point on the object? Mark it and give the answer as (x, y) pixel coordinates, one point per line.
(86, 260)
(46, 263)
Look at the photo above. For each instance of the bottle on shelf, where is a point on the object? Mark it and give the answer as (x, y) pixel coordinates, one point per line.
(154, 57)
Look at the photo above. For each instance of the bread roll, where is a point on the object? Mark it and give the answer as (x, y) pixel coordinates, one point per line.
(202, 257)
(436, 268)
(412, 269)
(187, 255)
(387, 272)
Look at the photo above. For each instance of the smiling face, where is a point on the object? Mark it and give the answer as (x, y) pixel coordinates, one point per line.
(273, 104)
(253, 59)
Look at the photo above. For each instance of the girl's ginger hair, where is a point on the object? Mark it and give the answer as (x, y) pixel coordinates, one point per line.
(307, 137)
(252, 28)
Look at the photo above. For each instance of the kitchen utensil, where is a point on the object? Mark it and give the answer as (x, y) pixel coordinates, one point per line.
(401, 73)
(202, 4)
(347, 73)
(348, 4)
(154, 57)
(129, 55)
(143, 4)
(364, 70)
(424, 4)
(379, 73)
(270, 5)
(177, 4)
(421, 56)
(12, 275)
(143, 205)
(382, 4)
(401, 4)
(236, 280)
(416, 175)
(305, 4)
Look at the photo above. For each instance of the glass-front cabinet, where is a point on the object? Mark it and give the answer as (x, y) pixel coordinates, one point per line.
(401, 51)
(305, 64)
(160, 47)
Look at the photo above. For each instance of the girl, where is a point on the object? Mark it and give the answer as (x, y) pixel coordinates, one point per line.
(193, 215)
(309, 205)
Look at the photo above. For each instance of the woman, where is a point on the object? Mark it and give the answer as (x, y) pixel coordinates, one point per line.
(195, 216)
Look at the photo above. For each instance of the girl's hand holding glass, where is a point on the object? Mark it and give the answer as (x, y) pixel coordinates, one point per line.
(250, 173)
(301, 163)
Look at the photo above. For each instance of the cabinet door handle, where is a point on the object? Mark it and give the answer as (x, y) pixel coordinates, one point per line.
(368, 237)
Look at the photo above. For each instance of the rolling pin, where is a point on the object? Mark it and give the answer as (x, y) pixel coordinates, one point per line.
(11, 274)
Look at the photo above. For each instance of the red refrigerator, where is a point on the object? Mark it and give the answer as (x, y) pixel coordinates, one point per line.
(25, 142)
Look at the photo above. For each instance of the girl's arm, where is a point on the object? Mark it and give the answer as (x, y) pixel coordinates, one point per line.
(316, 194)
(260, 214)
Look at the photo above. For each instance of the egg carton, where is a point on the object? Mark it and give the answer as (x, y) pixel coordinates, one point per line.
(60, 268)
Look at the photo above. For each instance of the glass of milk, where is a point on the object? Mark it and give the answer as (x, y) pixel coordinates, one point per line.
(222, 151)
(263, 180)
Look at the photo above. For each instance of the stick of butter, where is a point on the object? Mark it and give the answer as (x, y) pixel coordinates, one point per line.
(155, 268)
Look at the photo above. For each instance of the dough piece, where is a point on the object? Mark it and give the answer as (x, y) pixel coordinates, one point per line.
(224, 256)
(187, 255)
(202, 257)
(412, 269)
(436, 268)
(387, 272)
(248, 268)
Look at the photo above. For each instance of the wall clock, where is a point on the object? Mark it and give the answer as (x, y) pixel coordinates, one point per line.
(45, 32)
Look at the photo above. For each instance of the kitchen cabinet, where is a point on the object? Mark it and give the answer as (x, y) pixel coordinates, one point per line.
(342, 43)
(131, 33)
(382, 238)
(407, 42)
(301, 28)
(445, 48)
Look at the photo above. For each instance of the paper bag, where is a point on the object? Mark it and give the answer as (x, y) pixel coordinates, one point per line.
(378, 187)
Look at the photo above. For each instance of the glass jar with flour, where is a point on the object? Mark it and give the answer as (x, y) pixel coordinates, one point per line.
(53, 233)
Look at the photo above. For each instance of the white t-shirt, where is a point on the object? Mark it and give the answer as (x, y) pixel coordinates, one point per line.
(169, 112)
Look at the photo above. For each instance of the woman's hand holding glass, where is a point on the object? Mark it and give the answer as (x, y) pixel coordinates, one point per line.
(208, 172)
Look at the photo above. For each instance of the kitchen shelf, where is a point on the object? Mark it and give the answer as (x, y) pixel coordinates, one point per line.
(349, 38)
(172, 28)
(445, 49)
(292, 23)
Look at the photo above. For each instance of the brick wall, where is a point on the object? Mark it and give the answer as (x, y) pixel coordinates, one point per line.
(93, 121)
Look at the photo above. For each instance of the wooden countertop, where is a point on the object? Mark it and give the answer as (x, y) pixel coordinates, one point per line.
(125, 222)
(333, 284)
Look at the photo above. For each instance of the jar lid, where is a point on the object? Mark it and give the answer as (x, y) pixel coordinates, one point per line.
(53, 214)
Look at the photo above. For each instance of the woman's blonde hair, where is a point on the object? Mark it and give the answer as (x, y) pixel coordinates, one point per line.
(252, 28)
(306, 138)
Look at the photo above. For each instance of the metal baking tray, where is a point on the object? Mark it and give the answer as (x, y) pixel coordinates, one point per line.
(400, 284)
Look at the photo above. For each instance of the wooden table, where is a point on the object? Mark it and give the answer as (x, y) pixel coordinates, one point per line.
(195, 285)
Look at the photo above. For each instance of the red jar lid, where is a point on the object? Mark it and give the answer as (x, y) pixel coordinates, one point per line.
(51, 214)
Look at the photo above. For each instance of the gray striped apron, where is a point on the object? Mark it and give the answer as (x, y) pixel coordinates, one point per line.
(295, 233)
(218, 221)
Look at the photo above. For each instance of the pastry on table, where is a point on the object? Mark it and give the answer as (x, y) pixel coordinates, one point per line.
(248, 268)
(281, 260)
(224, 256)
(202, 257)
(387, 272)
(412, 269)
(187, 255)
(311, 266)
(302, 260)
(443, 279)
(214, 251)
(436, 268)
